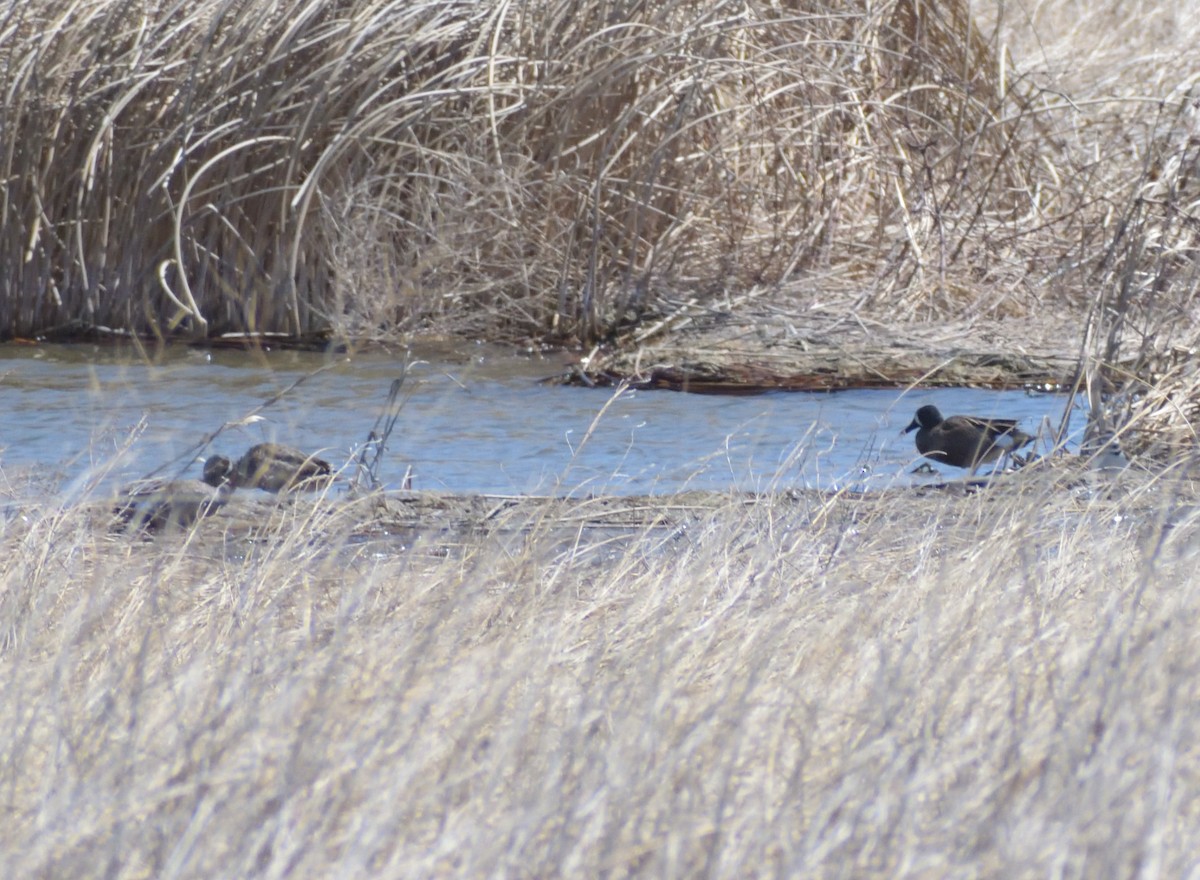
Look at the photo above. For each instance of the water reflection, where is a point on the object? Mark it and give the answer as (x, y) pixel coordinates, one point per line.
(475, 421)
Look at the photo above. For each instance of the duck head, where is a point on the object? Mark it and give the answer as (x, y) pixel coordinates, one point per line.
(928, 416)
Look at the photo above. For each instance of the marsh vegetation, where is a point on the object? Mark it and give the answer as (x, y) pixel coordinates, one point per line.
(1000, 683)
(561, 169)
(997, 684)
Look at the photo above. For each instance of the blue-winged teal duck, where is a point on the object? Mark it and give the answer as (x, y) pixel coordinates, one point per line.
(269, 466)
(157, 504)
(965, 441)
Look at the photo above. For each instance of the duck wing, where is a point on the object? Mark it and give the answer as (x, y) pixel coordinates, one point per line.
(995, 427)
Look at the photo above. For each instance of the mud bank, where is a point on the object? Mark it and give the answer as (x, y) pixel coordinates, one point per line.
(1057, 493)
(759, 350)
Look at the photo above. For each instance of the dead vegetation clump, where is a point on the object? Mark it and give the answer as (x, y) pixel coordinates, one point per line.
(1134, 140)
(548, 168)
(1143, 331)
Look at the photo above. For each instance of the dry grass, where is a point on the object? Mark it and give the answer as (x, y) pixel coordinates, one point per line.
(1134, 133)
(997, 685)
(558, 168)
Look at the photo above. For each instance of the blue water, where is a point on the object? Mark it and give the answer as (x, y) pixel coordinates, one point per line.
(479, 421)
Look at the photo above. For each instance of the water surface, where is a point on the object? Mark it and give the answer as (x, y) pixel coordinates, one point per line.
(473, 420)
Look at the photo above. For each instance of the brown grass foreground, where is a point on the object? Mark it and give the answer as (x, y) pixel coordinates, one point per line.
(1002, 684)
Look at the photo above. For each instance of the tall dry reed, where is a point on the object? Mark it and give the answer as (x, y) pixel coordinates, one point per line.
(545, 167)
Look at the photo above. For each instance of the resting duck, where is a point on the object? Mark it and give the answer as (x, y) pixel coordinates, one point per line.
(158, 504)
(272, 467)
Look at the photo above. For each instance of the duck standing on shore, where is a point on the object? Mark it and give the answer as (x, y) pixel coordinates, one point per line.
(965, 441)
